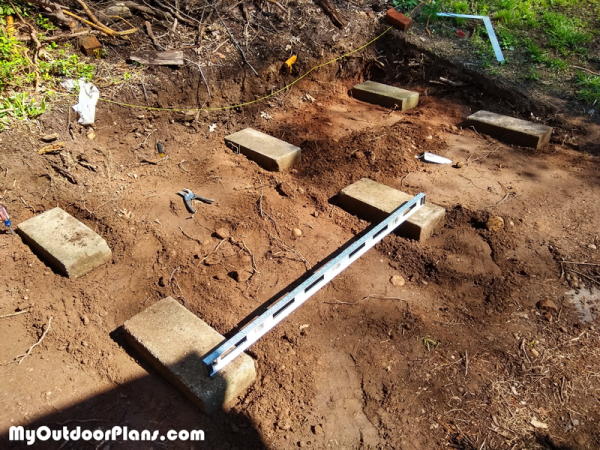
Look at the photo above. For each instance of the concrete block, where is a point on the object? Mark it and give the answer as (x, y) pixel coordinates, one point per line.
(510, 130)
(386, 96)
(174, 341)
(374, 202)
(267, 151)
(64, 242)
(398, 20)
(89, 45)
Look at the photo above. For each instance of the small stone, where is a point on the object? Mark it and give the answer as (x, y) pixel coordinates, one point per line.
(592, 247)
(316, 214)
(221, 276)
(575, 422)
(91, 135)
(302, 444)
(241, 276)
(212, 259)
(49, 137)
(85, 319)
(563, 329)
(459, 165)
(358, 155)
(535, 353)
(317, 429)
(222, 233)
(285, 424)
(495, 223)
(424, 282)
(430, 137)
(297, 232)
(548, 317)
(547, 305)
(161, 282)
(397, 280)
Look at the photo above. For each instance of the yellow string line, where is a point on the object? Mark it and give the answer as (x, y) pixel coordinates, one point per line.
(254, 101)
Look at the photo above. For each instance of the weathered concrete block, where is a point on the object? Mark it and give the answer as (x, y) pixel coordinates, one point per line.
(398, 19)
(174, 341)
(374, 202)
(510, 130)
(64, 242)
(267, 151)
(386, 96)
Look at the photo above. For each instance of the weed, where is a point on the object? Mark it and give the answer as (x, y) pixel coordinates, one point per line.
(429, 343)
(565, 33)
(589, 88)
(533, 75)
(405, 5)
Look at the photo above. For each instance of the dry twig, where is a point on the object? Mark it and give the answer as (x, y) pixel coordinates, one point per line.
(14, 314)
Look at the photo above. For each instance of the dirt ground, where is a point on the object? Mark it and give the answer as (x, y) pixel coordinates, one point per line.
(462, 355)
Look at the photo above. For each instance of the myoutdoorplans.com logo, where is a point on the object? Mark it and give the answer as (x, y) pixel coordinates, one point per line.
(117, 433)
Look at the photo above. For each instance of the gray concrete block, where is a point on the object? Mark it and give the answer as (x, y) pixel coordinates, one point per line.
(174, 341)
(267, 151)
(64, 242)
(386, 96)
(374, 202)
(510, 130)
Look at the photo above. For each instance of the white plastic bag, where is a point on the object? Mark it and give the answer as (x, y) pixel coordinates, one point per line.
(88, 97)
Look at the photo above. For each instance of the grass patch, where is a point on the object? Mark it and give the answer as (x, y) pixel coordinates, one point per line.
(589, 88)
(566, 34)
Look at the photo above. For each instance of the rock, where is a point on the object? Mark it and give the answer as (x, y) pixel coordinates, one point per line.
(592, 247)
(297, 232)
(85, 319)
(397, 280)
(241, 276)
(91, 135)
(358, 155)
(161, 282)
(547, 305)
(538, 424)
(563, 329)
(285, 424)
(317, 429)
(575, 422)
(49, 137)
(548, 317)
(212, 259)
(459, 165)
(535, 353)
(117, 10)
(315, 214)
(222, 233)
(495, 223)
(221, 276)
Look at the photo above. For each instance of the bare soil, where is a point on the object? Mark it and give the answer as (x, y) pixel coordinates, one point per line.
(458, 357)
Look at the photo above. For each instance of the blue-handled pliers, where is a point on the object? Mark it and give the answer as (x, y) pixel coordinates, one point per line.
(189, 197)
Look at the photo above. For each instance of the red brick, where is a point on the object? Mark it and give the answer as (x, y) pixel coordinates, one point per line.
(89, 44)
(398, 20)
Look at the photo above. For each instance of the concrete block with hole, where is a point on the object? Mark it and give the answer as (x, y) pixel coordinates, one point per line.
(65, 243)
(374, 201)
(510, 130)
(268, 152)
(386, 96)
(173, 341)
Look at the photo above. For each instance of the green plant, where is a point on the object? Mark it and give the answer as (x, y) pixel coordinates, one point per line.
(405, 5)
(429, 343)
(589, 88)
(565, 33)
(533, 75)
(21, 106)
(44, 23)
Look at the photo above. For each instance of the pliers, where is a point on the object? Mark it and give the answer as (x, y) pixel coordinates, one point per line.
(189, 197)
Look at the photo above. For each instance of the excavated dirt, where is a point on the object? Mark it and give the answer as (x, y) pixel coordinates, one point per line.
(459, 356)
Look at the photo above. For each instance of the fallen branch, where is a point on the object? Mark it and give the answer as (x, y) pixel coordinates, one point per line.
(332, 12)
(14, 314)
(32, 33)
(97, 24)
(337, 302)
(65, 173)
(235, 44)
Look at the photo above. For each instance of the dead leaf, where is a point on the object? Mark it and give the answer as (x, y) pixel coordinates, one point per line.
(538, 424)
(52, 148)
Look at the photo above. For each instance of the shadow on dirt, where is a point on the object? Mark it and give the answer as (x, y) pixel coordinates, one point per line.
(147, 403)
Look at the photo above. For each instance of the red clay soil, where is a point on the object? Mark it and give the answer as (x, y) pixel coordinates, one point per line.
(457, 357)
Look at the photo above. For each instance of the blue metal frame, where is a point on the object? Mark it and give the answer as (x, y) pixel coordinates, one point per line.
(231, 348)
